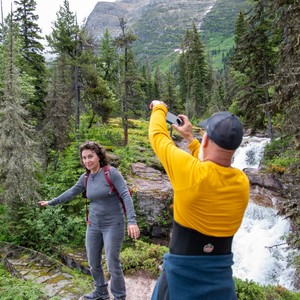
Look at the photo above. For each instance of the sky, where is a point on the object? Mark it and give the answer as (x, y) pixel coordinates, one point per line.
(46, 9)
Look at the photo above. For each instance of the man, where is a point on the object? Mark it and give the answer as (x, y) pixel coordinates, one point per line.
(210, 198)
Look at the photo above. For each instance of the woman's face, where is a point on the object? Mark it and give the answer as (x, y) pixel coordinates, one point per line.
(90, 160)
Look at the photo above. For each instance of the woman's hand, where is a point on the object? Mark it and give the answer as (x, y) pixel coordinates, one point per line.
(43, 203)
(133, 231)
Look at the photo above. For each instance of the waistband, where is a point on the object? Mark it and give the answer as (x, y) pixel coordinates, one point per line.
(188, 241)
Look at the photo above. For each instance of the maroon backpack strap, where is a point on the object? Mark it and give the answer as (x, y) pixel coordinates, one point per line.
(106, 170)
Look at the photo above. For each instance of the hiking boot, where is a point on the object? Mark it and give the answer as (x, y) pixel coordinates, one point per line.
(96, 295)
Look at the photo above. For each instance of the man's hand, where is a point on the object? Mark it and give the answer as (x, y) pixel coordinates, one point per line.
(185, 130)
(156, 102)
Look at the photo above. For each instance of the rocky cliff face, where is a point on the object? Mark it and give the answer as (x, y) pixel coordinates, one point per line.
(159, 24)
(159, 16)
(106, 16)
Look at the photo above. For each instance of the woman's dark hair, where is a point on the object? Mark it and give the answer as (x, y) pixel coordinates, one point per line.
(98, 149)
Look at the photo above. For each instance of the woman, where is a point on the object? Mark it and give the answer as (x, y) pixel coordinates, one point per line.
(106, 221)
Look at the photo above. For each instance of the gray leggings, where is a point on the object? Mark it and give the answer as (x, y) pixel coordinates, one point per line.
(111, 238)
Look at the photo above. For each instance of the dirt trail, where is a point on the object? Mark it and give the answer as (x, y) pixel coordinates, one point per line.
(138, 287)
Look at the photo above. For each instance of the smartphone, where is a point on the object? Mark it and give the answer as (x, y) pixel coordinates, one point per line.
(173, 119)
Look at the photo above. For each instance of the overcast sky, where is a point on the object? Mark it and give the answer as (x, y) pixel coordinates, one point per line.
(46, 9)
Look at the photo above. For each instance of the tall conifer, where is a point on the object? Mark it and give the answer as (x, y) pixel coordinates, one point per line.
(32, 52)
(287, 76)
(108, 59)
(64, 44)
(194, 75)
(124, 43)
(19, 156)
(254, 61)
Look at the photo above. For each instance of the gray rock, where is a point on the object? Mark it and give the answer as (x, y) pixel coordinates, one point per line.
(261, 178)
(154, 195)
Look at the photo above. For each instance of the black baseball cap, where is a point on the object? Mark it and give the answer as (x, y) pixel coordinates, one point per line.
(225, 129)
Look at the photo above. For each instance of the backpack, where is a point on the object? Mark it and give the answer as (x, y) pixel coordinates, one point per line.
(106, 170)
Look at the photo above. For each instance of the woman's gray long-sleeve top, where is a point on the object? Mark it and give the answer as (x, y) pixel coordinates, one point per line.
(105, 206)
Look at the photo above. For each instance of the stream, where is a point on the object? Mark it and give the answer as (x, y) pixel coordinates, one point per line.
(260, 253)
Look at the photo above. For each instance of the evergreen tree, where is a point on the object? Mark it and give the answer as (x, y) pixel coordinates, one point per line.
(97, 96)
(19, 159)
(124, 42)
(64, 37)
(253, 63)
(287, 76)
(137, 104)
(194, 75)
(239, 36)
(169, 95)
(65, 44)
(57, 124)
(108, 59)
(157, 85)
(147, 84)
(80, 70)
(32, 52)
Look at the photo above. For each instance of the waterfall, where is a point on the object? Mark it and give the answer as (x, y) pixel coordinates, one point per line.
(250, 153)
(260, 253)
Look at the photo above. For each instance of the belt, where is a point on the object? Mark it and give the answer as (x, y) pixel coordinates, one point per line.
(188, 241)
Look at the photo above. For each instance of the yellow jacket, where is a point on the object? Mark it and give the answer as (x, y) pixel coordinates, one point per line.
(207, 197)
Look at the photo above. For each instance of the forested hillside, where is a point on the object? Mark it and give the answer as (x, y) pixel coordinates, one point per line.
(161, 25)
(102, 91)
(217, 29)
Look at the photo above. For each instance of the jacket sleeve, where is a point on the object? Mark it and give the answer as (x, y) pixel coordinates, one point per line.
(69, 194)
(194, 147)
(176, 162)
(121, 186)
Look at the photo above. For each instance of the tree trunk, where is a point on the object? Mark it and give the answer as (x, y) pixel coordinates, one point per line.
(77, 99)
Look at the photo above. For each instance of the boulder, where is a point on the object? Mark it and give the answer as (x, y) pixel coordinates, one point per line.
(263, 179)
(154, 196)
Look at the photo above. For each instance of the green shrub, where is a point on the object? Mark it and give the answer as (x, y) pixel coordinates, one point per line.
(143, 256)
(280, 293)
(42, 229)
(279, 155)
(4, 221)
(17, 289)
(249, 290)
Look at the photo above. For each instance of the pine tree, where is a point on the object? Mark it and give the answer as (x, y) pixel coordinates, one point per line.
(239, 36)
(253, 63)
(169, 95)
(147, 83)
(287, 76)
(124, 42)
(194, 75)
(108, 59)
(19, 160)
(56, 126)
(157, 85)
(32, 52)
(65, 44)
(97, 95)
(64, 37)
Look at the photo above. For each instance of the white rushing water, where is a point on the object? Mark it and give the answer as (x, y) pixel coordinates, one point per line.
(260, 254)
(250, 153)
